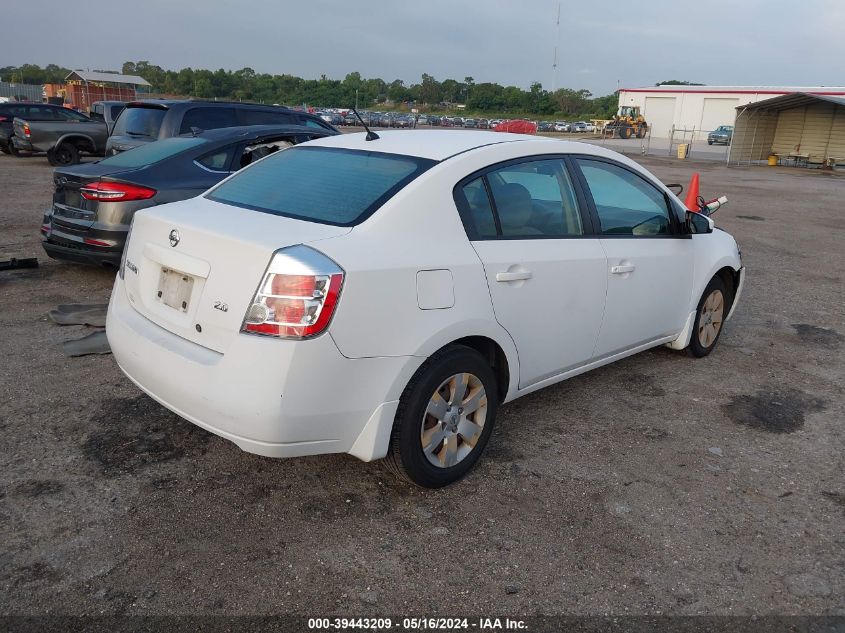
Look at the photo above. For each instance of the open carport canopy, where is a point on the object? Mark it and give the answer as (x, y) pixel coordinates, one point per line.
(809, 127)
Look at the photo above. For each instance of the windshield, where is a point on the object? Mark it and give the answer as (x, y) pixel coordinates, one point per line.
(321, 184)
(150, 153)
(142, 122)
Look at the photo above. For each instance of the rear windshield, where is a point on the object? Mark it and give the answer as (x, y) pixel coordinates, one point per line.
(141, 122)
(150, 153)
(321, 184)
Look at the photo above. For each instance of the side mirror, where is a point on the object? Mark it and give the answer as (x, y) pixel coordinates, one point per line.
(676, 185)
(699, 223)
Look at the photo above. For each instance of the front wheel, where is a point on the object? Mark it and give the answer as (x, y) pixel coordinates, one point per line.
(445, 418)
(64, 154)
(709, 319)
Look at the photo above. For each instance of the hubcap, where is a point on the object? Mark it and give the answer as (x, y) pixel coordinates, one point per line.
(710, 321)
(453, 420)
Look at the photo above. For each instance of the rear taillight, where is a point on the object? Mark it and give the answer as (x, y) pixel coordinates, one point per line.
(116, 192)
(26, 131)
(297, 295)
(3, 119)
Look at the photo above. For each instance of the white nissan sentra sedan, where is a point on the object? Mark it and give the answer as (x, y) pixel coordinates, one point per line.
(382, 298)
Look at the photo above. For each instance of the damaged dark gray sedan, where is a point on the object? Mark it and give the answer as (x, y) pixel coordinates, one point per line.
(93, 203)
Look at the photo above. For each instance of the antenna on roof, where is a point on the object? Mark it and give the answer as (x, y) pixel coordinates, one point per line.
(371, 136)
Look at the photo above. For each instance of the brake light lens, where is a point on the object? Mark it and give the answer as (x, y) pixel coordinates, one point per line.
(26, 131)
(116, 192)
(297, 296)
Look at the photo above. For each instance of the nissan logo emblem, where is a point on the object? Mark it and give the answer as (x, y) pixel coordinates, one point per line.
(174, 237)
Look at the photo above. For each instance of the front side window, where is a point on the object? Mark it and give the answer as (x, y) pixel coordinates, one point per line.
(321, 184)
(535, 198)
(625, 203)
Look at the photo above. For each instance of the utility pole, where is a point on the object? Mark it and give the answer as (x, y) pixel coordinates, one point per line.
(557, 41)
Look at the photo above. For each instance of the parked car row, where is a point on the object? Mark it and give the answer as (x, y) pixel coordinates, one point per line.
(65, 135)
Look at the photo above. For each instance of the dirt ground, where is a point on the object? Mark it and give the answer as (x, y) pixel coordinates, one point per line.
(658, 485)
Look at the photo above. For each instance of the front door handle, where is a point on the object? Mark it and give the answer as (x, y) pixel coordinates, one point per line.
(515, 276)
(621, 270)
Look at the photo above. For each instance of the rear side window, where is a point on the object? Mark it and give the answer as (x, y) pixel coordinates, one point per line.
(626, 204)
(479, 213)
(143, 122)
(321, 184)
(115, 111)
(263, 117)
(207, 119)
(535, 198)
(150, 153)
(219, 160)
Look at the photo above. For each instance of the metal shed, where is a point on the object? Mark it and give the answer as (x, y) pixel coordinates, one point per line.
(84, 88)
(800, 128)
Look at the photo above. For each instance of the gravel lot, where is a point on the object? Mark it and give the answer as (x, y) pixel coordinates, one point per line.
(660, 484)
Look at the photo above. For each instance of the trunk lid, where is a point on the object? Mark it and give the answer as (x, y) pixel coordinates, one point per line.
(67, 182)
(200, 288)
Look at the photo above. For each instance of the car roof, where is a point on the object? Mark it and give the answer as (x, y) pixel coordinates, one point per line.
(257, 131)
(432, 144)
(175, 102)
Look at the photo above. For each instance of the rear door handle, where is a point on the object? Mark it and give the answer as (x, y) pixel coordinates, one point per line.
(621, 270)
(516, 276)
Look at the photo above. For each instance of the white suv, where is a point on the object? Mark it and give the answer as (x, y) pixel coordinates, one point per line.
(382, 298)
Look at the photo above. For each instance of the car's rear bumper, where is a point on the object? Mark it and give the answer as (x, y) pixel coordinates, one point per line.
(81, 254)
(22, 145)
(272, 397)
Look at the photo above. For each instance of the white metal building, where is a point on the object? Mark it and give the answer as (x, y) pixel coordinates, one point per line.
(703, 108)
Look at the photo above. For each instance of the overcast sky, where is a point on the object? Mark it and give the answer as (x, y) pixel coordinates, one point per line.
(750, 42)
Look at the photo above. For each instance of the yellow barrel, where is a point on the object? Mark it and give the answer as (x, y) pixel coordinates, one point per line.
(773, 160)
(683, 150)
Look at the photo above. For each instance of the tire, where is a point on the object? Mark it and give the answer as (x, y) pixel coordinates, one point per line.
(448, 456)
(709, 142)
(4, 147)
(64, 154)
(716, 303)
(641, 131)
(625, 131)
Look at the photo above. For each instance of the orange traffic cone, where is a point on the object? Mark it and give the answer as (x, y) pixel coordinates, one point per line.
(691, 201)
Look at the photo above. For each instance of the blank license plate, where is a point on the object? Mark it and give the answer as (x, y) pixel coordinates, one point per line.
(174, 289)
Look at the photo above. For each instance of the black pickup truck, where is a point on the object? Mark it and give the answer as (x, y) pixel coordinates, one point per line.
(61, 133)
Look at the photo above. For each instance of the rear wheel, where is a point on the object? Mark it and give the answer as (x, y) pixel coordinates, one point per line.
(64, 154)
(5, 147)
(625, 131)
(445, 418)
(641, 130)
(709, 319)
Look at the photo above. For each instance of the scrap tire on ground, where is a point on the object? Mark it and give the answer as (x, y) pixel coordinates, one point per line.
(64, 154)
